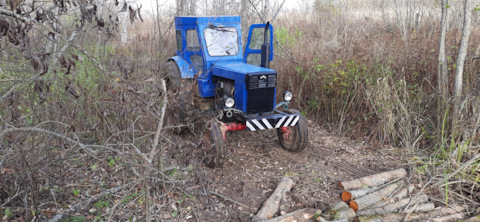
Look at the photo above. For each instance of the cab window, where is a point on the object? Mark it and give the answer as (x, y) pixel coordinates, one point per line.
(192, 40)
(179, 40)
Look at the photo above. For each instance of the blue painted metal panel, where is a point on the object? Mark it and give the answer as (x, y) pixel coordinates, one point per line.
(205, 84)
(238, 72)
(189, 20)
(231, 67)
(248, 50)
(187, 71)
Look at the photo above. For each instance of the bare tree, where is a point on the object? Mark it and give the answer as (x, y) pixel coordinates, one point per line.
(462, 53)
(442, 75)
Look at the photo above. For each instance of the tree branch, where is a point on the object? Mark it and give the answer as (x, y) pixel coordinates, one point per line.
(83, 205)
(9, 13)
(463, 166)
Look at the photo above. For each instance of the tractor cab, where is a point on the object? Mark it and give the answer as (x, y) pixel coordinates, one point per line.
(239, 82)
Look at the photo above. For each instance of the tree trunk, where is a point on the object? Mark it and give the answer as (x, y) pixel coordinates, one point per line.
(272, 205)
(301, 215)
(373, 180)
(124, 35)
(393, 207)
(374, 198)
(180, 7)
(442, 74)
(462, 54)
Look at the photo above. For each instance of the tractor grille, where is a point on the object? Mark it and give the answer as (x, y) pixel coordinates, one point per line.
(262, 81)
(261, 93)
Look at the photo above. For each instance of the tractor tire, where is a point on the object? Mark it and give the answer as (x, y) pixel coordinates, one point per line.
(214, 145)
(295, 138)
(180, 99)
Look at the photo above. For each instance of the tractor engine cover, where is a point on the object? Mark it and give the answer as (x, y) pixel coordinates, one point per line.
(255, 87)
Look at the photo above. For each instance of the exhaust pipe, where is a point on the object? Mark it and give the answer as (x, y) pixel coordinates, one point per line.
(265, 56)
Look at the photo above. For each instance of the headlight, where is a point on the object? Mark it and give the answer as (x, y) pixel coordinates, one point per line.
(287, 96)
(229, 102)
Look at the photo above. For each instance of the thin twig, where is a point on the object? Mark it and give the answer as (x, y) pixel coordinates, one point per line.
(160, 122)
(84, 204)
(463, 166)
(229, 199)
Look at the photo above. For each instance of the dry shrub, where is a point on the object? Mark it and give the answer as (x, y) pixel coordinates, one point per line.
(400, 69)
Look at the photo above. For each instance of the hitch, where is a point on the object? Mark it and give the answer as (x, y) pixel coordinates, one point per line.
(225, 127)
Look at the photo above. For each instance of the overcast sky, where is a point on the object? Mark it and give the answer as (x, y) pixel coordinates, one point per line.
(169, 5)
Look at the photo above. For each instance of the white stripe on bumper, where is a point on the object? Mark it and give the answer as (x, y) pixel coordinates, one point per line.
(259, 125)
(249, 125)
(288, 121)
(295, 121)
(265, 121)
(279, 124)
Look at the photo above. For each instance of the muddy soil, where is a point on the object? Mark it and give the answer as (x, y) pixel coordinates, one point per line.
(257, 162)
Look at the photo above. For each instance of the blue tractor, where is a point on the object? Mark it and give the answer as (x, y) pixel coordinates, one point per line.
(238, 84)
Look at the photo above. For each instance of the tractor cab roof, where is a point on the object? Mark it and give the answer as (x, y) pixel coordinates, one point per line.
(194, 20)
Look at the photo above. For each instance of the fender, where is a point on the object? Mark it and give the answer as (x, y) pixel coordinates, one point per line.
(187, 71)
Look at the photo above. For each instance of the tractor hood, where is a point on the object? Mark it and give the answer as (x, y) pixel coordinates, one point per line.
(254, 86)
(239, 70)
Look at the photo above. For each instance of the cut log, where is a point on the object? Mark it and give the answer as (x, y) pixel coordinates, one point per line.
(381, 218)
(393, 207)
(341, 210)
(401, 194)
(344, 213)
(394, 217)
(339, 220)
(354, 194)
(340, 205)
(301, 215)
(373, 180)
(451, 217)
(374, 198)
(424, 207)
(272, 205)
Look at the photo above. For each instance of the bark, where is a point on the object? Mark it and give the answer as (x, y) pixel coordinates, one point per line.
(373, 198)
(452, 217)
(180, 5)
(340, 205)
(393, 207)
(423, 216)
(354, 194)
(462, 52)
(302, 215)
(424, 207)
(124, 33)
(344, 213)
(401, 194)
(373, 180)
(442, 77)
(340, 211)
(272, 205)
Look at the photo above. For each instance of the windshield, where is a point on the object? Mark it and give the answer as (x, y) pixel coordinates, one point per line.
(221, 41)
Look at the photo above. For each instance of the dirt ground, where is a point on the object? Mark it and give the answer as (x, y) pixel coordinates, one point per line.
(257, 162)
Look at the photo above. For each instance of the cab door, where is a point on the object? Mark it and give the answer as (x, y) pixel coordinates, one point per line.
(253, 48)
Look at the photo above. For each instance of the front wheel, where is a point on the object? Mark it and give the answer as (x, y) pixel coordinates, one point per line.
(294, 138)
(214, 145)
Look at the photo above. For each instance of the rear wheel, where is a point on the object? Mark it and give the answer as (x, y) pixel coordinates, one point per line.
(180, 98)
(214, 145)
(294, 138)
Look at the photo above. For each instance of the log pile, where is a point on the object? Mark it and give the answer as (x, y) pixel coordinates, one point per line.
(379, 197)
